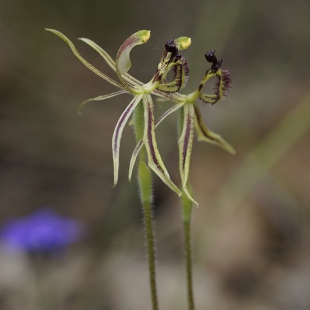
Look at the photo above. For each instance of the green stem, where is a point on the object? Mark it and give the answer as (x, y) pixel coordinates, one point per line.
(145, 186)
(187, 206)
(186, 218)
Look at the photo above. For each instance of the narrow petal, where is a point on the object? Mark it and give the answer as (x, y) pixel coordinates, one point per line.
(165, 96)
(204, 134)
(188, 194)
(101, 52)
(100, 98)
(173, 109)
(123, 62)
(117, 134)
(85, 62)
(134, 156)
(127, 77)
(140, 143)
(154, 159)
(185, 146)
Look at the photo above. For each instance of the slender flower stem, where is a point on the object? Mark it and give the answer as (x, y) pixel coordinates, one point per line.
(187, 206)
(145, 186)
(186, 218)
(148, 222)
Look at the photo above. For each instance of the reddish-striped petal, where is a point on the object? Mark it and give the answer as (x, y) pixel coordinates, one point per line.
(117, 134)
(123, 62)
(186, 145)
(154, 159)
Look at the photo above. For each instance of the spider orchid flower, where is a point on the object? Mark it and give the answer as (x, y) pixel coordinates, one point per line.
(191, 118)
(141, 92)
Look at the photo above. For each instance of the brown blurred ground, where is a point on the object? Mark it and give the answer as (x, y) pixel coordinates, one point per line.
(251, 231)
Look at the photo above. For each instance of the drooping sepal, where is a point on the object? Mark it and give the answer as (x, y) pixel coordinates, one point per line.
(185, 144)
(154, 159)
(117, 134)
(204, 134)
(139, 145)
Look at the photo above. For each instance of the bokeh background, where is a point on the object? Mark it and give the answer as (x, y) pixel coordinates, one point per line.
(251, 231)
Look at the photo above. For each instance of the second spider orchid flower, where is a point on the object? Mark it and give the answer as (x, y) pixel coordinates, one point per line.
(191, 118)
(141, 92)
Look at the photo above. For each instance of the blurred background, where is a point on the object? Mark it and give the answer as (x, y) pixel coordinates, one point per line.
(251, 242)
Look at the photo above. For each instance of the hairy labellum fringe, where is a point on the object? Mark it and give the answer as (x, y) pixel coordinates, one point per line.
(185, 67)
(180, 77)
(223, 84)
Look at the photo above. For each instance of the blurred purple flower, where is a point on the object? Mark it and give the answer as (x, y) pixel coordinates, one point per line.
(42, 231)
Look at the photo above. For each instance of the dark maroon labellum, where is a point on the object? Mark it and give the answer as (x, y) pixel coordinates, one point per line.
(178, 57)
(210, 57)
(170, 47)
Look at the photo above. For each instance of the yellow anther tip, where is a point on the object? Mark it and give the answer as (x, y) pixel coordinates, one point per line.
(182, 43)
(145, 36)
(187, 43)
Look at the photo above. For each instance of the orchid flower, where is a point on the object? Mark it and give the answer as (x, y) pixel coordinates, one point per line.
(141, 92)
(191, 118)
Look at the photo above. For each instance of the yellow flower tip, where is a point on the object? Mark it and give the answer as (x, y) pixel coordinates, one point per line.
(50, 30)
(53, 31)
(144, 35)
(182, 43)
(186, 43)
